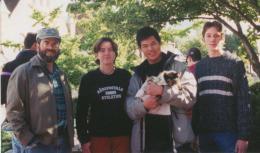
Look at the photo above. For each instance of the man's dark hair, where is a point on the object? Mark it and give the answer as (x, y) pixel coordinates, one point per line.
(29, 40)
(146, 32)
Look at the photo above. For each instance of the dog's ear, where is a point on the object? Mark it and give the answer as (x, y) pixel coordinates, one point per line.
(173, 75)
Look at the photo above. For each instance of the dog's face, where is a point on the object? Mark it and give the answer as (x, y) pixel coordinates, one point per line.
(170, 78)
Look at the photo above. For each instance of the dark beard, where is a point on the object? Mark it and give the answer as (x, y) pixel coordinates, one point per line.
(49, 59)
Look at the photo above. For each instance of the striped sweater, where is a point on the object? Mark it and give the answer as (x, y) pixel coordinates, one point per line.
(223, 102)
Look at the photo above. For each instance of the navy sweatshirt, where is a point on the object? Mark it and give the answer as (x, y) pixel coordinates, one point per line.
(101, 105)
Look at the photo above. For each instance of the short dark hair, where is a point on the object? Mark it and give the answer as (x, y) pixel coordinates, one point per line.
(146, 32)
(98, 43)
(209, 24)
(29, 40)
(194, 53)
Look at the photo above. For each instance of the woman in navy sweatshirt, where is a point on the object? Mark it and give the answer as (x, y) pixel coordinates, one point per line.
(101, 120)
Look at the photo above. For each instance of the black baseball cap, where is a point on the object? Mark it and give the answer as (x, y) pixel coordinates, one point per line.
(194, 53)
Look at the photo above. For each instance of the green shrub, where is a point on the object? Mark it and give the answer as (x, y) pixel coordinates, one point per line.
(6, 141)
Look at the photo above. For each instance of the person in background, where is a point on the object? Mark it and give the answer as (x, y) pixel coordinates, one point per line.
(192, 58)
(101, 120)
(152, 130)
(24, 56)
(39, 104)
(221, 117)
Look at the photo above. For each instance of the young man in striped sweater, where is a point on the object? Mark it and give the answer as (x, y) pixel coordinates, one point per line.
(221, 116)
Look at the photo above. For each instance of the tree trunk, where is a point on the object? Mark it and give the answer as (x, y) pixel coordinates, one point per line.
(254, 59)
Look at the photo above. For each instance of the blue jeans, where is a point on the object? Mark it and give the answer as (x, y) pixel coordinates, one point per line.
(221, 142)
(61, 147)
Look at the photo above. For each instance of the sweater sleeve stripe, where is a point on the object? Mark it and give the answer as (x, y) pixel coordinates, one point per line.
(215, 77)
(215, 91)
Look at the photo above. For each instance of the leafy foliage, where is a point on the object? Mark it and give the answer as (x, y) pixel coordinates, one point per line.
(5, 141)
(94, 24)
(11, 44)
(45, 20)
(73, 61)
(196, 42)
(119, 20)
(232, 43)
(185, 38)
(125, 17)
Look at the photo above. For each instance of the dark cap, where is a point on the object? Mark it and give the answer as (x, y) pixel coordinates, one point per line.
(48, 33)
(194, 53)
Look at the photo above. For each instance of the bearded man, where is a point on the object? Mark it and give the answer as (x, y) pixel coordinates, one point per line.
(39, 103)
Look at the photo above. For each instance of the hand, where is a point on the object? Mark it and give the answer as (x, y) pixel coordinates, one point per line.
(150, 102)
(86, 148)
(241, 146)
(153, 89)
(195, 144)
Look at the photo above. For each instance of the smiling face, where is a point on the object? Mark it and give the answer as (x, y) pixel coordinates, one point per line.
(151, 49)
(106, 55)
(48, 49)
(212, 38)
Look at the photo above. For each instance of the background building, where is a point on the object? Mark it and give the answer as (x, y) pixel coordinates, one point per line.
(16, 20)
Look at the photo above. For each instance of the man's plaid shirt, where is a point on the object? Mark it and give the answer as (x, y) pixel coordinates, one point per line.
(59, 97)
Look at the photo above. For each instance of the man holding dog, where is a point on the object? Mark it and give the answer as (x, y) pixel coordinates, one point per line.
(153, 132)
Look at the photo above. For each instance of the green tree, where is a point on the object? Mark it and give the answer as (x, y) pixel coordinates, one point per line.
(45, 20)
(186, 37)
(231, 14)
(127, 16)
(93, 23)
(11, 44)
(72, 60)
(119, 20)
(195, 42)
(232, 43)
(77, 57)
